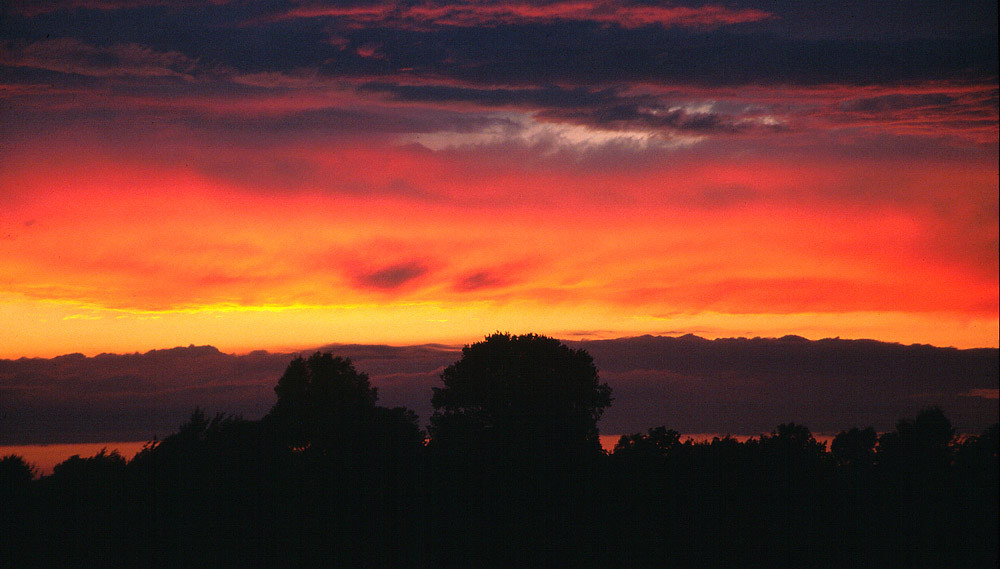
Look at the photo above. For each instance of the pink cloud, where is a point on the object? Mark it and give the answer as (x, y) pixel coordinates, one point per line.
(31, 8)
(70, 55)
(470, 14)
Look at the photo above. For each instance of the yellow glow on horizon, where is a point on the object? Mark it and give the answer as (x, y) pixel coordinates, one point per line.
(46, 328)
(101, 253)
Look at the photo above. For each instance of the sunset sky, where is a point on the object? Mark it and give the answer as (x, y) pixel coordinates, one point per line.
(274, 175)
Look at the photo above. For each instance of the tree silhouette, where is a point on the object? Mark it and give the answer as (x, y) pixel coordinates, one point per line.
(656, 442)
(918, 487)
(349, 470)
(527, 390)
(793, 443)
(15, 509)
(978, 457)
(923, 443)
(15, 474)
(322, 399)
(515, 454)
(90, 497)
(855, 447)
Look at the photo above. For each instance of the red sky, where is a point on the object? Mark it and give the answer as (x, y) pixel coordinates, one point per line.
(329, 173)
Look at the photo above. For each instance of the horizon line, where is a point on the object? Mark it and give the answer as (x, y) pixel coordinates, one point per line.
(300, 350)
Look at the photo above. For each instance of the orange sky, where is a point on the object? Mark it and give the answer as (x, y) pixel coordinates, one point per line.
(111, 253)
(160, 195)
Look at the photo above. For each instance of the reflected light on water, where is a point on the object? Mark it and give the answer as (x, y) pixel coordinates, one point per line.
(608, 441)
(45, 457)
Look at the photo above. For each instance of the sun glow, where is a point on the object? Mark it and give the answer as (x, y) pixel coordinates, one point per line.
(103, 253)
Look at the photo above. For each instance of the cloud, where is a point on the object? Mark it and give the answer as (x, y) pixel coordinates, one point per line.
(74, 398)
(698, 118)
(566, 42)
(31, 8)
(393, 276)
(608, 108)
(429, 15)
(581, 53)
(71, 55)
(646, 161)
(546, 138)
(745, 386)
(984, 393)
(897, 101)
(962, 112)
(479, 280)
(339, 97)
(532, 96)
(685, 230)
(739, 386)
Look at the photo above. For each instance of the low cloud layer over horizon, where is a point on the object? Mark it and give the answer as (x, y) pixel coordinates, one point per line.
(738, 385)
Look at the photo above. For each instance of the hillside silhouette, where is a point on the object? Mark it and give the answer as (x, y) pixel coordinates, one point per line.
(509, 474)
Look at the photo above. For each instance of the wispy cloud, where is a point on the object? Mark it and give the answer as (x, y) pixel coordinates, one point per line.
(70, 55)
(427, 15)
(33, 8)
(393, 276)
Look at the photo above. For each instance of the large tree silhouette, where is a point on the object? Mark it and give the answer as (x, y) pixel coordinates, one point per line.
(322, 399)
(524, 390)
(923, 443)
(855, 448)
(515, 455)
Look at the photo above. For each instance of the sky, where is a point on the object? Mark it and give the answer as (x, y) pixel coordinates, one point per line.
(282, 174)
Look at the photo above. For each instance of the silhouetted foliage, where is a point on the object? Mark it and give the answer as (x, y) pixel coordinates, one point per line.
(521, 390)
(511, 478)
(86, 497)
(515, 454)
(855, 447)
(659, 441)
(15, 474)
(977, 456)
(921, 442)
(322, 401)
(16, 503)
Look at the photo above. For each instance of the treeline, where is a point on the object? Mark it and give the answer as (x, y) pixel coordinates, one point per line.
(510, 474)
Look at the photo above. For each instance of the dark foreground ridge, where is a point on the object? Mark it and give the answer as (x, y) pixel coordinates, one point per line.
(509, 474)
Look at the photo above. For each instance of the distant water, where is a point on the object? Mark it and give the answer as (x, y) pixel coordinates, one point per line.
(45, 457)
(608, 441)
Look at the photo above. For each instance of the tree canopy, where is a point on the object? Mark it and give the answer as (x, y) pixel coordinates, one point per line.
(521, 388)
(321, 397)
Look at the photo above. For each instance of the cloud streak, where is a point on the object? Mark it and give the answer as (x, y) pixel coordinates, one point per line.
(428, 15)
(32, 8)
(69, 55)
